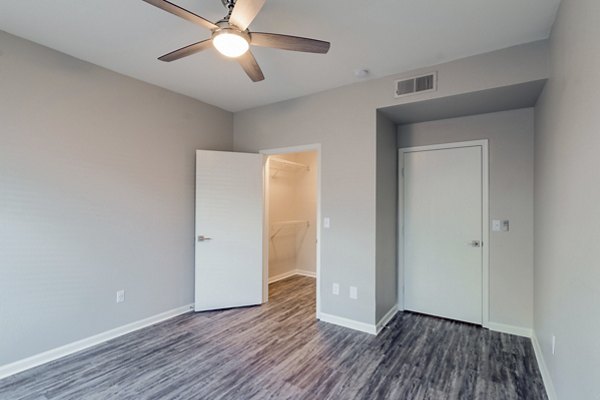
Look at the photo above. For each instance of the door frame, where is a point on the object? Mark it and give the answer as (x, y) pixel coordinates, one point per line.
(266, 242)
(485, 284)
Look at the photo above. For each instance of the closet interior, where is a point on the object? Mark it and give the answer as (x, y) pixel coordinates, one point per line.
(292, 215)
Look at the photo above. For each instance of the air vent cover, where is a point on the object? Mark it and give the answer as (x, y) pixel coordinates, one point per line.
(416, 84)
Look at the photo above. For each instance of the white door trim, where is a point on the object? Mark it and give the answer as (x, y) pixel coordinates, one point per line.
(284, 150)
(485, 219)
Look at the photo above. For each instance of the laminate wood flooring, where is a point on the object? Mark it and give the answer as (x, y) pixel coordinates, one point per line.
(279, 351)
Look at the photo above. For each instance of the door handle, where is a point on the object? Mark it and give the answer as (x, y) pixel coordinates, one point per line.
(202, 238)
(475, 243)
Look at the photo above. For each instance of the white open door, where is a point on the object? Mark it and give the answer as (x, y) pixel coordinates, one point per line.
(443, 232)
(229, 230)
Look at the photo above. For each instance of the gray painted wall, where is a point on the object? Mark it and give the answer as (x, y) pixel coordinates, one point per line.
(386, 244)
(510, 138)
(96, 195)
(343, 120)
(567, 199)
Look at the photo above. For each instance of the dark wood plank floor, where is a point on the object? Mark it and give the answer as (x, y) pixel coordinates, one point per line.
(279, 351)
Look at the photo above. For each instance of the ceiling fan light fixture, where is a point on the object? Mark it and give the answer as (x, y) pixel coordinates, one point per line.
(230, 42)
(230, 35)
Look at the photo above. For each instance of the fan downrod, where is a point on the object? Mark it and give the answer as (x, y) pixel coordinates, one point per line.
(229, 4)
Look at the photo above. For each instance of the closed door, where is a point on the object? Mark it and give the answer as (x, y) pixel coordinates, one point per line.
(229, 230)
(443, 258)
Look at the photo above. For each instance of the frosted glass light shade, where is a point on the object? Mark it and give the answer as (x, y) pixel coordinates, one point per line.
(230, 44)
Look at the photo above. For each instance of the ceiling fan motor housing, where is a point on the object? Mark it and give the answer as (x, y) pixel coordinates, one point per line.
(232, 30)
(226, 27)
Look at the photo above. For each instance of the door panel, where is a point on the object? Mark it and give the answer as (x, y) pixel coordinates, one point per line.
(442, 217)
(229, 214)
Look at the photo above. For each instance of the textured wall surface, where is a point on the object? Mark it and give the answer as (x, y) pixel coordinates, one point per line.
(96, 195)
(567, 204)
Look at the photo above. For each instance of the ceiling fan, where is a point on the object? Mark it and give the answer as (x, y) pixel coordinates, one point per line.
(231, 37)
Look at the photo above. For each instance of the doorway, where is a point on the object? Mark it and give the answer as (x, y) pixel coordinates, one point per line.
(444, 235)
(291, 228)
(237, 233)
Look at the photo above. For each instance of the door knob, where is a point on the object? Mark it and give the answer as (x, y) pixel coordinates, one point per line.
(475, 243)
(202, 238)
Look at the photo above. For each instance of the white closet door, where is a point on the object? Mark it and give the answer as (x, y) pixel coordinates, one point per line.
(443, 231)
(229, 230)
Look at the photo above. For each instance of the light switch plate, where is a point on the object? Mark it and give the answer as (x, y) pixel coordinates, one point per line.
(496, 225)
(505, 226)
(353, 292)
(326, 222)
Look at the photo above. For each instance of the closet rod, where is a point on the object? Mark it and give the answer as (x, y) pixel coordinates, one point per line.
(292, 222)
(289, 163)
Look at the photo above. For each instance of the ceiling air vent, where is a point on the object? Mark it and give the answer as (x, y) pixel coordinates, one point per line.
(416, 84)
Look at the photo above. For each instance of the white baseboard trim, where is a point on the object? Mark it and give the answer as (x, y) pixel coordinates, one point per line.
(550, 391)
(303, 272)
(281, 277)
(348, 323)
(386, 318)
(59, 352)
(510, 329)
(293, 272)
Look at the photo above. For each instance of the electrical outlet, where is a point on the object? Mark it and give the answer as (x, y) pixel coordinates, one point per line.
(335, 289)
(353, 292)
(120, 296)
(553, 344)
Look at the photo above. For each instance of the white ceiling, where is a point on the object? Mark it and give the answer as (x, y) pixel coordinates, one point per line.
(385, 36)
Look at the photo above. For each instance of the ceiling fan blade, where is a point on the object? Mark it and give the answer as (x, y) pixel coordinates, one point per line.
(249, 64)
(186, 51)
(287, 42)
(181, 12)
(244, 12)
